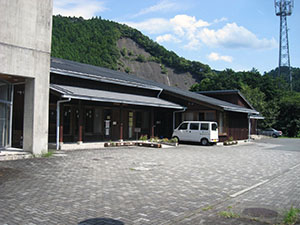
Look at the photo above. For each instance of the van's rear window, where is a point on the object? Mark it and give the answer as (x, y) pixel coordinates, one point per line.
(214, 126)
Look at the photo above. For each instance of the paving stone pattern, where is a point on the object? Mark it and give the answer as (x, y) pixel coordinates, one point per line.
(133, 185)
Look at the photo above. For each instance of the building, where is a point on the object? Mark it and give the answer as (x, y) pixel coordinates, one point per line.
(25, 43)
(237, 98)
(93, 104)
(88, 103)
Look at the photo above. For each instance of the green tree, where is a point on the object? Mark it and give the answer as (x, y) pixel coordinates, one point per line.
(289, 117)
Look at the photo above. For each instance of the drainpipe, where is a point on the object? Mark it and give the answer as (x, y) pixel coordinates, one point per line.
(179, 111)
(249, 127)
(58, 119)
(159, 93)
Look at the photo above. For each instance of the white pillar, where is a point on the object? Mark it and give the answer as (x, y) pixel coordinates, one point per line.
(36, 109)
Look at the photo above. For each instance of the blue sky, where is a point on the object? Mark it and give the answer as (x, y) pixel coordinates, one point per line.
(236, 34)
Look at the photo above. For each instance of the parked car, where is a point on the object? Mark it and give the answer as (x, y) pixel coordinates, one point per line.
(204, 132)
(271, 132)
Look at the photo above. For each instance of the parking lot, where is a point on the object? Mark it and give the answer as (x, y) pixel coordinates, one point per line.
(189, 184)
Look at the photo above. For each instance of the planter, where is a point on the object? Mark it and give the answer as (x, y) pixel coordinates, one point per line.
(148, 144)
(230, 143)
(170, 143)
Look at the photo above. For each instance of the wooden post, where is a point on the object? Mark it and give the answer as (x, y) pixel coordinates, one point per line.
(121, 122)
(80, 123)
(121, 131)
(152, 123)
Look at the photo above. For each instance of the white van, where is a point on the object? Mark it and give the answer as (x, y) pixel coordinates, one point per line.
(204, 132)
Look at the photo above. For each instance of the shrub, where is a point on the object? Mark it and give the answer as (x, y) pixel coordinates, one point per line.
(127, 70)
(155, 139)
(143, 137)
(141, 58)
(174, 140)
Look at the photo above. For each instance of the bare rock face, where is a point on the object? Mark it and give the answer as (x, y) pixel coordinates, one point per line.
(135, 60)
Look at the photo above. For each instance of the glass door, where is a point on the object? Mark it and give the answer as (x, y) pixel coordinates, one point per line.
(5, 115)
(3, 125)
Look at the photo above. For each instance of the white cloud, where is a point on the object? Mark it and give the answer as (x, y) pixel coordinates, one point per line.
(217, 57)
(167, 38)
(162, 6)
(186, 27)
(187, 24)
(195, 33)
(220, 20)
(234, 36)
(193, 44)
(83, 8)
(182, 27)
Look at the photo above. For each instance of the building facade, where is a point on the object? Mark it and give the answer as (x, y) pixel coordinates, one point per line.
(94, 104)
(25, 43)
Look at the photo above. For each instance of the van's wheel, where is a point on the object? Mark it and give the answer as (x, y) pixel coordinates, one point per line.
(204, 141)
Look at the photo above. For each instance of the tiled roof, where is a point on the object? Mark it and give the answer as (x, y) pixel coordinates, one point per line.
(109, 96)
(85, 71)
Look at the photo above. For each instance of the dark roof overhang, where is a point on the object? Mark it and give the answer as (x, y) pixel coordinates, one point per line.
(87, 94)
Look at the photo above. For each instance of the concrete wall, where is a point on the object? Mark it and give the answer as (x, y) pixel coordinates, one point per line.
(25, 44)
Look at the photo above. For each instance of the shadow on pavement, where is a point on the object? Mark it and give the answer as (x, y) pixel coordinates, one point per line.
(101, 221)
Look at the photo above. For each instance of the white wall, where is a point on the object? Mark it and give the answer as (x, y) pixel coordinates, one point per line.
(25, 45)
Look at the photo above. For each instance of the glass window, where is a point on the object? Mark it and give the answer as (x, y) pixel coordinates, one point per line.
(214, 126)
(130, 124)
(98, 121)
(194, 126)
(145, 122)
(221, 122)
(210, 116)
(183, 126)
(89, 120)
(204, 126)
(5, 91)
(52, 121)
(138, 119)
(188, 116)
(4, 121)
(207, 116)
(67, 120)
(201, 116)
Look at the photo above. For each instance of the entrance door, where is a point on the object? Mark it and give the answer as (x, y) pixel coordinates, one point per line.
(5, 107)
(3, 126)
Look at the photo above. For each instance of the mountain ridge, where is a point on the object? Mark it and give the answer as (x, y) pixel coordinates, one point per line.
(115, 46)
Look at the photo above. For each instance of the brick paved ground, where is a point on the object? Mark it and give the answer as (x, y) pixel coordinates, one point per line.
(185, 185)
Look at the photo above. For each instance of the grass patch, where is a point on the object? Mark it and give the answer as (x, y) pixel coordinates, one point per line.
(207, 208)
(48, 154)
(229, 214)
(44, 155)
(291, 217)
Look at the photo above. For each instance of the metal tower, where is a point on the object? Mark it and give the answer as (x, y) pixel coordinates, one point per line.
(283, 8)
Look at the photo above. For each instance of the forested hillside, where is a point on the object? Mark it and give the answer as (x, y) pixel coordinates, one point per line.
(268, 94)
(94, 41)
(98, 42)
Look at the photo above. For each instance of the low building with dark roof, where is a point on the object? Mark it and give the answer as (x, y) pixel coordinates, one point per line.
(94, 104)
